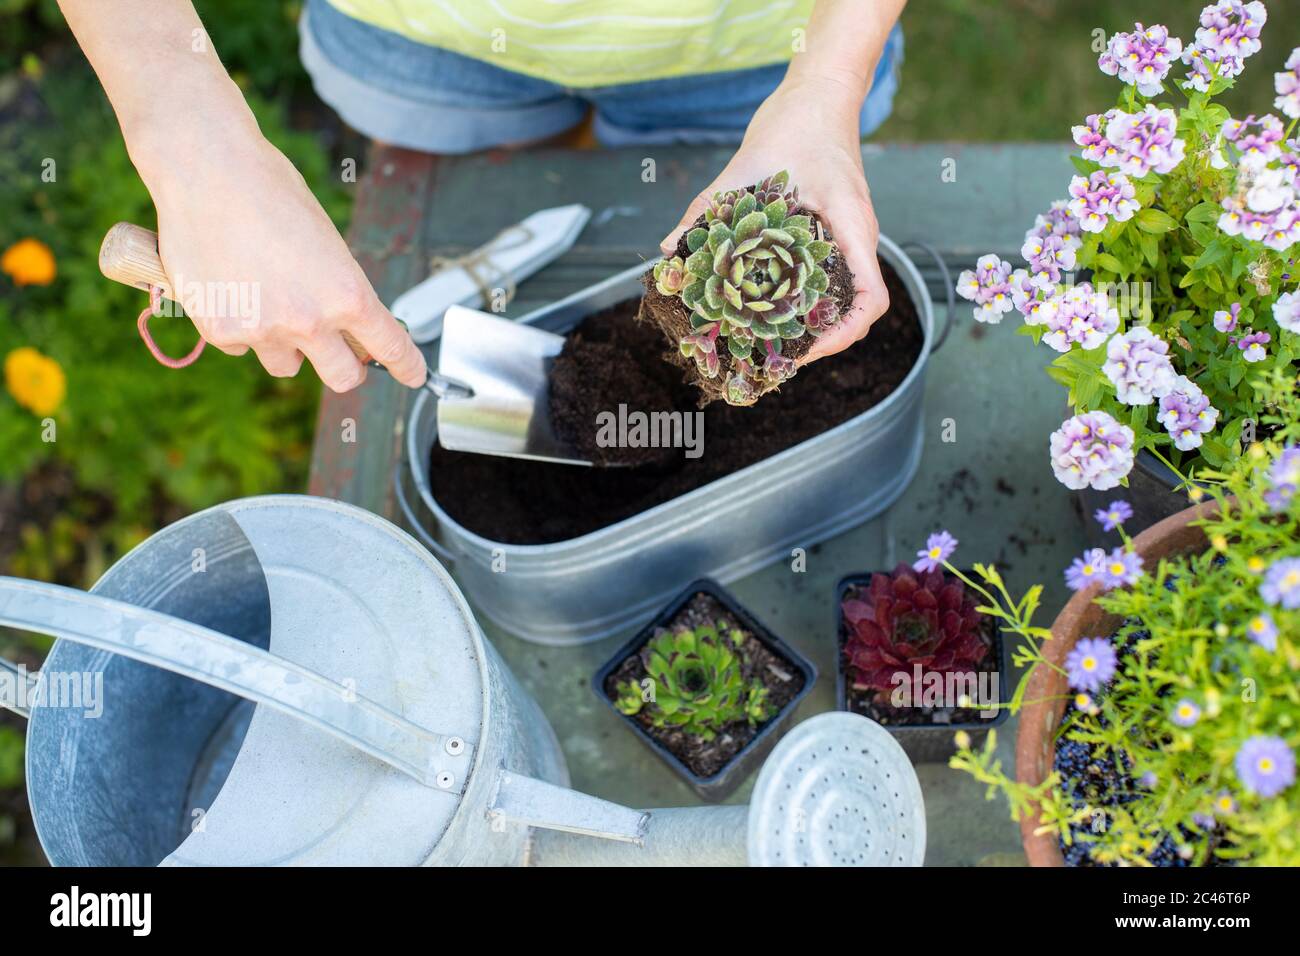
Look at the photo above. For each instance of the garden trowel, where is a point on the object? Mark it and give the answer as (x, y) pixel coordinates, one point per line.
(493, 375)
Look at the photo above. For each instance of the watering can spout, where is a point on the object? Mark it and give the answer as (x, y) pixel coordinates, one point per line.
(536, 803)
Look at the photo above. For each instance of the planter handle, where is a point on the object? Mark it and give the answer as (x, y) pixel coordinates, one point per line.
(19, 675)
(199, 653)
(438, 549)
(949, 289)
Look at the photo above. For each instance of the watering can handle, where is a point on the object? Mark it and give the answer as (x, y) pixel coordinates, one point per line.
(202, 654)
(129, 255)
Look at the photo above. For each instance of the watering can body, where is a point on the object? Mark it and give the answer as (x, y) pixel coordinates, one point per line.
(175, 771)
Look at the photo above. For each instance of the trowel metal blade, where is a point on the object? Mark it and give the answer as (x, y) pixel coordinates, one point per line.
(507, 366)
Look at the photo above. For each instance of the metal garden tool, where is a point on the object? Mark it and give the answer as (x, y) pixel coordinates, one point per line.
(492, 382)
(289, 680)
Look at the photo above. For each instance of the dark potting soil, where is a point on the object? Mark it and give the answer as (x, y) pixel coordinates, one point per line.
(874, 704)
(673, 319)
(781, 677)
(525, 502)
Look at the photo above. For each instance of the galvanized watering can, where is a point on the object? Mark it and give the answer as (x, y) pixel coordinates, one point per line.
(291, 680)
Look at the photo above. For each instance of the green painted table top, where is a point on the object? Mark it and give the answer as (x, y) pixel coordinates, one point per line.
(991, 487)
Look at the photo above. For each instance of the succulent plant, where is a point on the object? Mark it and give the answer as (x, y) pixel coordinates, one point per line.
(910, 618)
(752, 280)
(698, 685)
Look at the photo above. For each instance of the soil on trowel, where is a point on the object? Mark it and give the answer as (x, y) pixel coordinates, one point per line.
(706, 758)
(514, 501)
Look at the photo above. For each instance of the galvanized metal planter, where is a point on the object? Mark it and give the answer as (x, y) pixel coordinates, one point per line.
(589, 587)
(721, 784)
(923, 743)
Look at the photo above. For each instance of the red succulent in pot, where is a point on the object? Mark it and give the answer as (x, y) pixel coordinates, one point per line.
(908, 619)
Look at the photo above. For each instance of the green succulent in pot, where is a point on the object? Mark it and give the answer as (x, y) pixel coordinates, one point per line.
(696, 683)
(753, 281)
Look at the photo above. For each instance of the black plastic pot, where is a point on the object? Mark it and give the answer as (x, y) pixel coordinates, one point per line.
(1152, 491)
(718, 786)
(923, 743)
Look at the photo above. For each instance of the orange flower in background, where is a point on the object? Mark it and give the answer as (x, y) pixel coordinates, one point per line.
(35, 381)
(29, 262)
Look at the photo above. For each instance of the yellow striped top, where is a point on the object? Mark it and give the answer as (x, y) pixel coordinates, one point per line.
(585, 43)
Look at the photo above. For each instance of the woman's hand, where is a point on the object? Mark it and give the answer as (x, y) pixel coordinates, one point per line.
(258, 265)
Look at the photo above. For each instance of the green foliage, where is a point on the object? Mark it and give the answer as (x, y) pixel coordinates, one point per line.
(11, 757)
(751, 280)
(145, 439)
(698, 683)
(1189, 623)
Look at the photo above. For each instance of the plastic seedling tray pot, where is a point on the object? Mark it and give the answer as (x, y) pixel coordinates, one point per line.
(923, 743)
(719, 785)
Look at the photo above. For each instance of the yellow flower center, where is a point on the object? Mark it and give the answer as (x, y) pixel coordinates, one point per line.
(1090, 663)
(1265, 765)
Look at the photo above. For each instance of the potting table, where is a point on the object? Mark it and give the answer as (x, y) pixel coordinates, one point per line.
(990, 485)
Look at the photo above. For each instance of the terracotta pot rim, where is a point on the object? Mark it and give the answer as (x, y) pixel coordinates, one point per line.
(1047, 689)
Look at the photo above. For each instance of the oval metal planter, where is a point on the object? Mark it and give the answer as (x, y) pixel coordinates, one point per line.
(589, 587)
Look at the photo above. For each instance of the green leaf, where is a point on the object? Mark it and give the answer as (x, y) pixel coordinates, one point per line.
(1156, 221)
(696, 238)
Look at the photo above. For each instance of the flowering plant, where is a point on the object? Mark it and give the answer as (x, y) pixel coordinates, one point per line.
(1181, 743)
(1187, 221)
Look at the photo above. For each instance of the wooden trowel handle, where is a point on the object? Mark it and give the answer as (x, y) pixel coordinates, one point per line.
(129, 255)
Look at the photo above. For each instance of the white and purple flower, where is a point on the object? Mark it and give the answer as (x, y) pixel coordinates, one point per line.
(1090, 664)
(1142, 58)
(1186, 713)
(1228, 34)
(1265, 765)
(1226, 321)
(1113, 515)
(1138, 365)
(1091, 450)
(938, 549)
(1286, 311)
(1079, 315)
(1145, 141)
(1048, 256)
(1281, 585)
(1262, 631)
(1252, 346)
(1031, 294)
(1257, 141)
(1101, 197)
(989, 287)
(1091, 135)
(1057, 221)
(1283, 479)
(1187, 414)
(1287, 86)
(1122, 568)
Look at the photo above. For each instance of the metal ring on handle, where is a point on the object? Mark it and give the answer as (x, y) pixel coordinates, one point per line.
(201, 654)
(950, 291)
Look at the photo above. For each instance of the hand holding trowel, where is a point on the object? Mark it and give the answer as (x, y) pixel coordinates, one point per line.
(492, 378)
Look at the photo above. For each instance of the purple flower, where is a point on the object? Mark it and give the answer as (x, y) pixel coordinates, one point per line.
(1224, 805)
(1187, 414)
(1091, 450)
(1286, 311)
(1265, 765)
(1122, 568)
(1253, 346)
(1048, 255)
(1145, 141)
(1281, 584)
(1114, 515)
(1256, 140)
(938, 549)
(1029, 293)
(1263, 631)
(1078, 315)
(1283, 478)
(1137, 364)
(1186, 713)
(989, 287)
(1287, 86)
(1092, 137)
(1277, 228)
(1148, 780)
(1057, 221)
(1231, 27)
(1090, 664)
(1227, 321)
(1141, 58)
(1101, 197)
(1085, 571)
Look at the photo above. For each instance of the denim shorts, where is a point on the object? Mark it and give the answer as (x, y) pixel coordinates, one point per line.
(422, 97)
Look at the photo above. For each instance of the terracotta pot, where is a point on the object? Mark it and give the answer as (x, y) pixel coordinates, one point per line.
(1048, 691)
